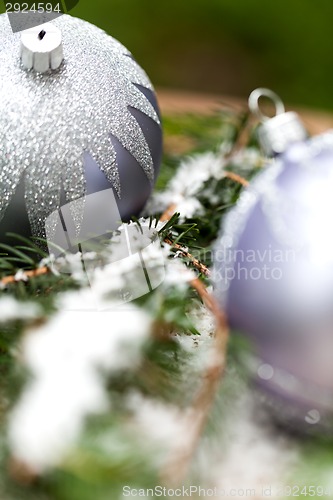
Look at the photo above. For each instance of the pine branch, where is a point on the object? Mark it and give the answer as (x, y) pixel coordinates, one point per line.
(184, 253)
(196, 416)
(237, 178)
(26, 275)
(166, 216)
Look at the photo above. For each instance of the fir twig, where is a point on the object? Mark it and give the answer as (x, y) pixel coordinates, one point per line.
(237, 178)
(7, 280)
(168, 213)
(184, 253)
(197, 415)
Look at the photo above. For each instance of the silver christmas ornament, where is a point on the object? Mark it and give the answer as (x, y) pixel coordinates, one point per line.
(78, 115)
(274, 273)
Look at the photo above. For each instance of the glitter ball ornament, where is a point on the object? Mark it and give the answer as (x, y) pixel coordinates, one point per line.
(78, 115)
(274, 273)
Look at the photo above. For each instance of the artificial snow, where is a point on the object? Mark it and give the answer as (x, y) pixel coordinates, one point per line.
(12, 309)
(67, 357)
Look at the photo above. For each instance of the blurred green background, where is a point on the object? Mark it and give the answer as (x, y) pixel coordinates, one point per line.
(227, 46)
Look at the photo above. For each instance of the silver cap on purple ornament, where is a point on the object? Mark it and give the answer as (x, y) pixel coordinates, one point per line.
(276, 134)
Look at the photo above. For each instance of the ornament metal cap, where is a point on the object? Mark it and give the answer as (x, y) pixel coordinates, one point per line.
(278, 133)
(41, 48)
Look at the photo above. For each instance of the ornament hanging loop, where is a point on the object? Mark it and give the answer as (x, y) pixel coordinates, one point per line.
(254, 104)
(276, 133)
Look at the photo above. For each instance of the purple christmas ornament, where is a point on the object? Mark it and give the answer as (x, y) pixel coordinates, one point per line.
(274, 273)
(78, 115)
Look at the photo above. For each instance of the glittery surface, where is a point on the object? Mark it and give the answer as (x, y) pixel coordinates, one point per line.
(49, 120)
